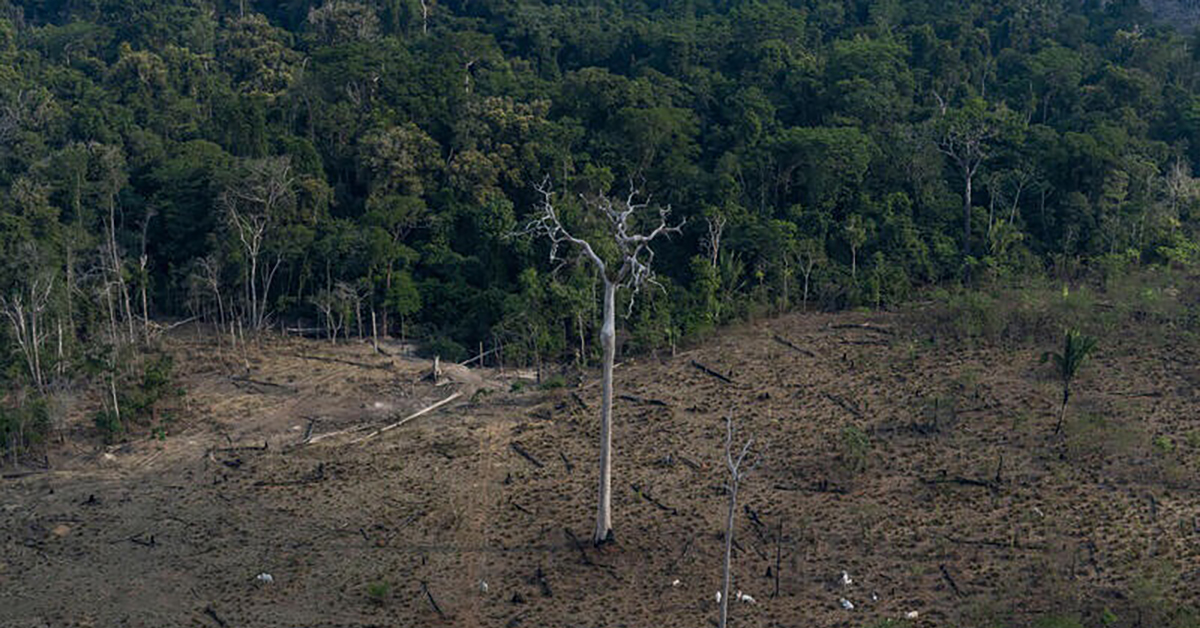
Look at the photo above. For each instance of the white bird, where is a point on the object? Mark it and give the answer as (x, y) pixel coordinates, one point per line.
(874, 596)
(483, 586)
(265, 578)
(846, 581)
(742, 597)
(718, 597)
(911, 615)
(675, 583)
(846, 604)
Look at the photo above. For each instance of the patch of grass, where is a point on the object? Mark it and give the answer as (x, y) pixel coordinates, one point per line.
(1093, 438)
(854, 448)
(552, 383)
(1057, 621)
(378, 592)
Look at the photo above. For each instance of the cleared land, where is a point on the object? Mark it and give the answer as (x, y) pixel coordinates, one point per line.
(922, 466)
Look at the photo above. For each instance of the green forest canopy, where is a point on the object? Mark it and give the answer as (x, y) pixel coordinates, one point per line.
(380, 153)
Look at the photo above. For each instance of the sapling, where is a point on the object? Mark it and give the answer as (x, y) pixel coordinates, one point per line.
(1076, 349)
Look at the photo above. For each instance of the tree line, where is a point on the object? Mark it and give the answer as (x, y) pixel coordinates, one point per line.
(357, 165)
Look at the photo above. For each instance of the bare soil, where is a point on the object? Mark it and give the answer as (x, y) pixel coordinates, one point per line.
(923, 468)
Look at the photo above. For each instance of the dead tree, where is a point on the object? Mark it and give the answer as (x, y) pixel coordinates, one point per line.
(629, 267)
(209, 273)
(252, 206)
(25, 314)
(326, 302)
(712, 241)
(736, 474)
(964, 136)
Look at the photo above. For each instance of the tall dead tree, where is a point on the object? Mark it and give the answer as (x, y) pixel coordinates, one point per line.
(734, 465)
(965, 136)
(252, 206)
(628, 266)
(24, 313)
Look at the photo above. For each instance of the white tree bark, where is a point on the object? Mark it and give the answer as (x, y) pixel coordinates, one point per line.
(734, 466)
(632, 269)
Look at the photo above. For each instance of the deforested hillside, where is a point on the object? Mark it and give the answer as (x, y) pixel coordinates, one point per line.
(905, 471)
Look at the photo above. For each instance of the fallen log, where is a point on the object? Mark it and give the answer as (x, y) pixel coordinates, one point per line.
(259, 382)
(526, 455)
(567, 463)
(864, 326)
(846, 405)
(711, 372)
(208, 610)
(648, 497)
(365, 365)
(408, 418)
(22, 474)
(789, 344)
(950, 580)
(644, 401)
(583, 557)
(432, 602)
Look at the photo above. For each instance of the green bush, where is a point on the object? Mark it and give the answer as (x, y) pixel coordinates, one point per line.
(446, 348)
(1057, 622)
(551, 383)
(24, 426)
(854, 447)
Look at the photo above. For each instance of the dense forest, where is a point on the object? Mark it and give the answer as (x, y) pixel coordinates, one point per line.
(358, 165)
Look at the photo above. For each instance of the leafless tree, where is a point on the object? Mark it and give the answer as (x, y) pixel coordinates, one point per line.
(964, 137)
(112, 165)
(24, 313)
(331, 305)
(712, 242)
(208, 275)
(812, 252)
(252, 205)
(733, 464)
(630, 267)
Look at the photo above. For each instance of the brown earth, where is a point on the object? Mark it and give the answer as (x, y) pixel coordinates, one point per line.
(956, 502)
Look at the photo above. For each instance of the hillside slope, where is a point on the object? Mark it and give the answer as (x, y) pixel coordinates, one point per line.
(922, 466)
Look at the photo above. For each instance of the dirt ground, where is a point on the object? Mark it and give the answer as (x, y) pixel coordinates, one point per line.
(925, 469)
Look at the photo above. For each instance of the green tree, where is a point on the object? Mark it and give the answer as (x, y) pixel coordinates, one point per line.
(1077, 347)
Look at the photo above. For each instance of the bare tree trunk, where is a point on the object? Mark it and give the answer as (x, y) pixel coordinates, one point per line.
(374, 332)
(807, 274)
(608, 340)
(734, 466)
(966, 215)
(112, 376)
(582, 343)
(727, 572)
(145, 303)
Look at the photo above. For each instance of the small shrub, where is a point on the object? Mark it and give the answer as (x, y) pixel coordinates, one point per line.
(23, 426)
(449, 350)
(854, 447)
(1057, 622)
(552, 383)
(378, 592)
(108, 423)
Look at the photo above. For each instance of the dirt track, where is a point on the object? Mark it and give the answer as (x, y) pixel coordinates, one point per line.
(446, 503)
